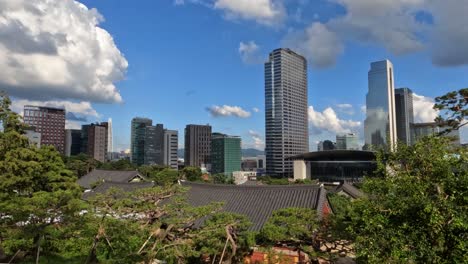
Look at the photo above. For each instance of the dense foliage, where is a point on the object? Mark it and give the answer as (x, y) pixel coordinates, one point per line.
(416, 212)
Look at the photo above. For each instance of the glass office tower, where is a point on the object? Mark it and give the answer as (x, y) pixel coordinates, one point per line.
(225, 154)
(404, 114)
(380, 123)
(286, 117)
(137, 137)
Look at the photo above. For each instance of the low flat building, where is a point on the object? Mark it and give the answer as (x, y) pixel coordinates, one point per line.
(334, 165)
(241, 177)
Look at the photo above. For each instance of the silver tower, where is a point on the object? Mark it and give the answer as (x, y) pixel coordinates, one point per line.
(286, 117)
(380, 123)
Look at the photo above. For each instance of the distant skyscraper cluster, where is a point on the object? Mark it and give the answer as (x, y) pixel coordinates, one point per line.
(390, 115)
(153, 145)
(389, 118)
(286, 105)
(47, 127)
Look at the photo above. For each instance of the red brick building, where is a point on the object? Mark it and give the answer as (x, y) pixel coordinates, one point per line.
(48, 121)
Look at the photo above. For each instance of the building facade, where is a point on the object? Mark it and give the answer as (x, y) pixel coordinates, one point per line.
(326, 145)
(49, 122)
(171, 143)
(153, 145)
(420, 130)
(380, 123)
(72, 142)
(404, 114)
(286, 116)
(97, 142)
(225, 154)
(348, 141)
(137, 139)
(197, 145)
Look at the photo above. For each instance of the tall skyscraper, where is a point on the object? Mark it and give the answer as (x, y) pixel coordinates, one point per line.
(171, 143)
(380, 123)
(197, 145)
(349, 141)
(153, 145)
(225, 154)
(48, 121)
(286, 117)
(404, 114)
(137, 139)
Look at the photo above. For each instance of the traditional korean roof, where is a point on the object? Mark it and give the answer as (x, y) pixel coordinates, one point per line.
(108, 175)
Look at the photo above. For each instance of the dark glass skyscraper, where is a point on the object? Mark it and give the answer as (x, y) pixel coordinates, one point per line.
(137, 139)
(404, 114)
(286, 117)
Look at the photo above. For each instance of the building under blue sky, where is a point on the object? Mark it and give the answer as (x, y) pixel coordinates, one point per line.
(184, 62)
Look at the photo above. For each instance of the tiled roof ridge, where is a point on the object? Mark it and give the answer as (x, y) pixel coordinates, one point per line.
(265, 186)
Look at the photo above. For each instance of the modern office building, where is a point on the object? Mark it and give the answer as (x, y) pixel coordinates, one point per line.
(225, 154)
(335, 165)
(48, 121)
(285, 110)
(420, 130)
(72, 142)
(404, 114)
(94, 141)
(171, 143)
(348, 141)
(197, 145)
(153, 144)
(380, 123)
(137, 139)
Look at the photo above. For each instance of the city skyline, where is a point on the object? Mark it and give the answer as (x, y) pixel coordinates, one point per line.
(208, 67)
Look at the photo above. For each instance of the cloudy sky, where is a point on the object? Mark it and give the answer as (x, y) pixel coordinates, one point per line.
(201, 61)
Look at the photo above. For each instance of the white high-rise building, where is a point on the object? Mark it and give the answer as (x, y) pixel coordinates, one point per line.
(286, 120)
(380, 123)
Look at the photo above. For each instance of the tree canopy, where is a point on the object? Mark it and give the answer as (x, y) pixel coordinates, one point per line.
(416, 212)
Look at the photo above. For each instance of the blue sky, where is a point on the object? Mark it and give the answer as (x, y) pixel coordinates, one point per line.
(173, 61)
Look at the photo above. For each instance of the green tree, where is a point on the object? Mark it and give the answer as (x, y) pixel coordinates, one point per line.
(294, 226)
(81, 164)
(164, 228)
(454, 108)
(416, 212)
(37, 193)
(191, 174)
(122, 164)
(164, 177)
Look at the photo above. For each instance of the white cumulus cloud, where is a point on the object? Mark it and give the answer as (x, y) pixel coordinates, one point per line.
(56, 50)
(256, 110)
(258, 141)
(317, 43)
(267, 12)
(423, 109)
(250, 52)
(400, 26)
(227, 110)
(329, 121)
